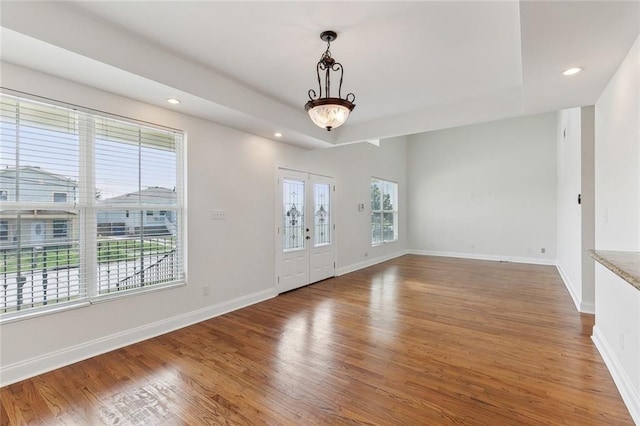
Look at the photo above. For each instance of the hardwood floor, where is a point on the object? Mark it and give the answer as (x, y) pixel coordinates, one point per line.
(416, 340)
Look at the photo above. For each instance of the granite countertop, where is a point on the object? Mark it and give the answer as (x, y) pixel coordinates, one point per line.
(625, 264)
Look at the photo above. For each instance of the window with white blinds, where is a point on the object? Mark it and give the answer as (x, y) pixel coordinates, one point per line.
(77, 190)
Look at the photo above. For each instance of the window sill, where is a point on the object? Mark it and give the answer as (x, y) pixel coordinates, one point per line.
(136, 292)
(85, 303)
(384, 242)
(42, 312)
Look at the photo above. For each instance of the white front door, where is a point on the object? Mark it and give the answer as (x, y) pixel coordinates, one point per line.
(37, 232)
(305, 230)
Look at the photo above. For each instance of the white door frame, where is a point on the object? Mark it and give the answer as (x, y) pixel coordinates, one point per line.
(308, 178)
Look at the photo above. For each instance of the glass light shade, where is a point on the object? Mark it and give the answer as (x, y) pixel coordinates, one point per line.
(329, 113)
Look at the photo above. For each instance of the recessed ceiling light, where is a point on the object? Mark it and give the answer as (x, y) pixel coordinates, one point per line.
(173, 101)
(572, 71)
(277, 134)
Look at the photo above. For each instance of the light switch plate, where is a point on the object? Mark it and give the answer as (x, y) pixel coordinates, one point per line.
(218, 215)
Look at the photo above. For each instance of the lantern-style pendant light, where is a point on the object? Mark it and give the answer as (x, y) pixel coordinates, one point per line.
(329, 112)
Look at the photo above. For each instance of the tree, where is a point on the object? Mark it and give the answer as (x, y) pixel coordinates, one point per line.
(386, 202)
(375, 196)
(375, 199)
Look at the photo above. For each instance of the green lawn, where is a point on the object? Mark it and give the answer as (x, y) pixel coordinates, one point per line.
(110, 250)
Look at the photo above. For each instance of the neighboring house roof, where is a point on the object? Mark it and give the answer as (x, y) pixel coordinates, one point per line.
(10, 172)
(151, 195)
(31, 213)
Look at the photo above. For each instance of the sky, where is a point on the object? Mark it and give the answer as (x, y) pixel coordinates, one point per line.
(120, 166)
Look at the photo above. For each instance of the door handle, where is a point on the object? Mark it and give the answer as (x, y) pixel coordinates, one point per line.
(307, 237)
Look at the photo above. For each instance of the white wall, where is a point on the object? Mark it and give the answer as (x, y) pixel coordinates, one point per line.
(575, 145)
(617, 334)
(587, 120)
(617, 185)
(569, 259)
(228, 170)
(485, 191)
(618, 158)
(354, 166)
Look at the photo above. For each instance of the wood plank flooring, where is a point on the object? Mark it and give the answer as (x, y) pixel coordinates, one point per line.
(413, 341)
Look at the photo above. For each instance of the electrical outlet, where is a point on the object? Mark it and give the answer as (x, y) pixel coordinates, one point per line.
(205, 290)
(543, 250)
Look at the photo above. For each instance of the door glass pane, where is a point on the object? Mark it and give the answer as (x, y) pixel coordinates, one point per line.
(293, 215)
(321, 215)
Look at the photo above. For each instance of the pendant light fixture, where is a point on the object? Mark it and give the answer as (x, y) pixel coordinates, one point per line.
(329, 112)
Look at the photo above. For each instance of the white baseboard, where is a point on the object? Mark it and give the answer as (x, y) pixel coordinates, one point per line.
(629, 394)
(588, 307)
(581, 305)
(32, 367)
(476, 256)
(369, 262)
(567, 283)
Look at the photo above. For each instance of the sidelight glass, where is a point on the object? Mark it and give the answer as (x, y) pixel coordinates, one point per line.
(293, 220)
(322, 214)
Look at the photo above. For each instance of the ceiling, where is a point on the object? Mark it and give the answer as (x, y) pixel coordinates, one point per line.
(413, 66)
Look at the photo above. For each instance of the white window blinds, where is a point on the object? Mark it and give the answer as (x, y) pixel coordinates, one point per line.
(77, 187)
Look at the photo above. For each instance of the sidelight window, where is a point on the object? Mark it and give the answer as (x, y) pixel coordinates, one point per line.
(293, 235)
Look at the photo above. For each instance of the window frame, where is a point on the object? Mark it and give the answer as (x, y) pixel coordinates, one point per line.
(85, 204)
(4, 230)
(382, 211)
(66, 197)
(58, 231)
